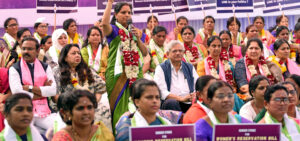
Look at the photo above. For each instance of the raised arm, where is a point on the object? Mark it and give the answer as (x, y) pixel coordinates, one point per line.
(107, 29)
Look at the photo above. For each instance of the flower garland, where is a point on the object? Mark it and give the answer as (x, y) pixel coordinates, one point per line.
(227, 69)
(264, 66)
(130, 55)
(293, 53)
(263, 37)
(192, 54)
(228, 55)
(211, 64)
(154, 50)
(225, 58)
(279, 63)
(76, 84)
(155, 58)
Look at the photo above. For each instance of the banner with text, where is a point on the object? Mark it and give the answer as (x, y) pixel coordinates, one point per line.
(144, 6)
(237, 6)
(280, 5)
(152, 133)
(101, 5)
(247, 132)
(198, 5)
(258, 4)
(180, 5)
(177, 6)
(60, 6)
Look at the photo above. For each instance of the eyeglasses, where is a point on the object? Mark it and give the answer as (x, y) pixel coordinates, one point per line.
(13, 25)
(43, 26)
(222, 96)
(278, 100)
(292, 92)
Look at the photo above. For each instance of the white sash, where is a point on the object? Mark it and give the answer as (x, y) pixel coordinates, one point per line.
(10, 134)
(207, 110)
(95, 64)
(10, 40)
(214, 120)
(140, 121)
(53, 53)
(37, 36)
(158, 50)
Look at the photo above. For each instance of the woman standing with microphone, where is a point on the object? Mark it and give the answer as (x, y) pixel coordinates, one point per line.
(126, 50)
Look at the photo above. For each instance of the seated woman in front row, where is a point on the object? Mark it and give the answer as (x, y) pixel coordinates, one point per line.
(18, 114)
(81, 105)
(221, 100)
(276, 103)
(146, 97)
(201, 108)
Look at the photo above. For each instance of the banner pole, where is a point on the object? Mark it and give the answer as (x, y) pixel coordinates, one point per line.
(54, 26)
(248, 19)
(152, 18)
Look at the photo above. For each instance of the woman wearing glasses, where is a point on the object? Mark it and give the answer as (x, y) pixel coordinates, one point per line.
(11, 28)
(276, 103)
(293, 111)
(221, 101)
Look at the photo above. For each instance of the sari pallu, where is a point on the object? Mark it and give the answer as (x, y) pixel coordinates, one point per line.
(117, 83)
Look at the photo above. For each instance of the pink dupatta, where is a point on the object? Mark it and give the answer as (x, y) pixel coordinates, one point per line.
(40, 106)
(293, 67)
(237, 50)
(248, 72)
(221, 69)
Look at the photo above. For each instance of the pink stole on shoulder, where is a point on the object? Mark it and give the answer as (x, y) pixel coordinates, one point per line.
(248, 72)
(221, 69)
(293, 67)
(40, 106)
(237, 50)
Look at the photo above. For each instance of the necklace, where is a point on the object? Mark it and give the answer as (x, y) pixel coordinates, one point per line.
(77, 137)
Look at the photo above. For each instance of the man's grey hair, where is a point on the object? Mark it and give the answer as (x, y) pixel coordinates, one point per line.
(173, 43)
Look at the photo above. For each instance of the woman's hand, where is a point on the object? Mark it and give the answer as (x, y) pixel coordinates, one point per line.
(10, 63)
(136, 32)
(110, 1)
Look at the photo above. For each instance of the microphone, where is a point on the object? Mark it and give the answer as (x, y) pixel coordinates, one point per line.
(129, 23)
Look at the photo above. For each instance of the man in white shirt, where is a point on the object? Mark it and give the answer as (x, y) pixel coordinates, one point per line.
(176, 79)
(35, 78)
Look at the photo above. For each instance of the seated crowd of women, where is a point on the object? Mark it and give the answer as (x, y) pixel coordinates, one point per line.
(104, 84)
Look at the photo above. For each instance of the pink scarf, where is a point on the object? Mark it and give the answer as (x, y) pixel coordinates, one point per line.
(221, 70)
(237, 50)
(293, 67)
(4, 85)
(40, 106)
(248, 72)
